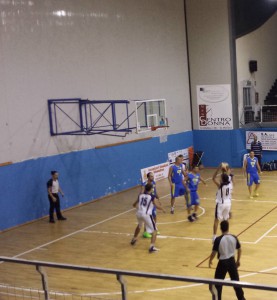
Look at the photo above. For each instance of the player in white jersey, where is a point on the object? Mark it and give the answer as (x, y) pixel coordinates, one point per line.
(223, 200)
(145, 204)
(225, 168)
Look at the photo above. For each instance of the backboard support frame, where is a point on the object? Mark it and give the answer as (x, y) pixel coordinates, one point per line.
(105, 117)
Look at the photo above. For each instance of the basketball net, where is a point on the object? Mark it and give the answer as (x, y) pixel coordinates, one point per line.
(161, 132)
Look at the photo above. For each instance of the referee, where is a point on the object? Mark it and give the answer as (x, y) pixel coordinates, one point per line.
(257, 148)
(226, 245)
(53, 188)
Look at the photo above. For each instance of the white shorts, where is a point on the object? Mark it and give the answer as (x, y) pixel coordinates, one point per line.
(222, 211)
(148, 220)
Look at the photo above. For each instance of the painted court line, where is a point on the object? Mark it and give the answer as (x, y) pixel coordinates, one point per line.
(184, 220)
(74, 232)
(163, 236)
(245, 200)
(265, 234)
(71, 234)
(254, 223)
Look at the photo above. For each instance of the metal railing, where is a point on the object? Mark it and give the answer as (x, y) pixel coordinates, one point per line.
(40, 267)
(265, 114)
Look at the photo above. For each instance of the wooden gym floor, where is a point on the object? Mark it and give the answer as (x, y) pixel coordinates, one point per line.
(98, 234)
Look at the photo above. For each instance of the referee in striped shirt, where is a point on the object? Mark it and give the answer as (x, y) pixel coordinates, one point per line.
(257, 148)
(226, 245)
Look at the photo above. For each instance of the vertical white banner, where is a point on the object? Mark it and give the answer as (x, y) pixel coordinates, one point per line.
(214, 107)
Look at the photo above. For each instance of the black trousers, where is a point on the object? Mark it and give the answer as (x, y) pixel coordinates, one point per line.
(259, 157)
(224, 266)
(54, 206)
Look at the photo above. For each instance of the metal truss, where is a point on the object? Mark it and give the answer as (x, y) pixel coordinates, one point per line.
(76, 116)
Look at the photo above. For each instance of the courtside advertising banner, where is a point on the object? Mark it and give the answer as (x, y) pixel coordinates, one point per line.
(160, 171)
(173, 155)
(267, 138)
(214, 107)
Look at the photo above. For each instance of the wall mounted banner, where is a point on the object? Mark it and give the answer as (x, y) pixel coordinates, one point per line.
(160, 171)
(267, 138)
(173, 155)
(214, 107)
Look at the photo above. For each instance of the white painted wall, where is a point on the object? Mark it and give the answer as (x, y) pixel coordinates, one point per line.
(209, 46)
(260, 45)
(96, 49)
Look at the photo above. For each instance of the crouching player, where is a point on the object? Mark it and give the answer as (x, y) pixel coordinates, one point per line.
(193, 179)
(145, 204)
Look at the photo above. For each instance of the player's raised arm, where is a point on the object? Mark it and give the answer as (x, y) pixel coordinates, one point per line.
(214, 176)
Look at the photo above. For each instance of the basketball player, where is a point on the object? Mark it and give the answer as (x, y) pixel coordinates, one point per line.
(223, 200)
(145, 204)
(251, 168)
(150, 180)
(193, 178)
(178, 185)
(184, 166)
(225, 168)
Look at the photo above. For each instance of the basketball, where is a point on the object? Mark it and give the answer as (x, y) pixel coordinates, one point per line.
(224, 167)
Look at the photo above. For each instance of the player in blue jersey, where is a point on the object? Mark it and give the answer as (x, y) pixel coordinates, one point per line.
(251, 169)
(154, 194)
(178, 185)
(193, 178)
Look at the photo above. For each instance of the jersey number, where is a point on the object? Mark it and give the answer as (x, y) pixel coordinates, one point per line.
(143, 202)
(227, 191)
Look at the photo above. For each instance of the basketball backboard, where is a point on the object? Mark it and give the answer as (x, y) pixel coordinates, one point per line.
(151, 114)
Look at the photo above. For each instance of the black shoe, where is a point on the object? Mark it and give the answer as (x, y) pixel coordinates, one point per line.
(62, 219)
(194, 215)
(51, 221)
(190, 218)
(133, 241)
(153, 249)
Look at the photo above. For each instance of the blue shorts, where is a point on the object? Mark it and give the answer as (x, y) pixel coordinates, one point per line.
(193, 199)
(252, 177)
(178, 190)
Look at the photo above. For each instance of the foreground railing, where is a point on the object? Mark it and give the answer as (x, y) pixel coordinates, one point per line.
(40, 267)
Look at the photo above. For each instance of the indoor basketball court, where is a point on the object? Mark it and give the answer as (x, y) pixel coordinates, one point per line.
(99, 233)
(95, 96)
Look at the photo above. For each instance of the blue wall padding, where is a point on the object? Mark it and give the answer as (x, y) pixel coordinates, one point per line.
(90, 174)
(225, 145)
(84, 175)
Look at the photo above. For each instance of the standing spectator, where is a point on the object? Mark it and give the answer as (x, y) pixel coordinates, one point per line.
(226, 245)
(54, 189)
(257, 148)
